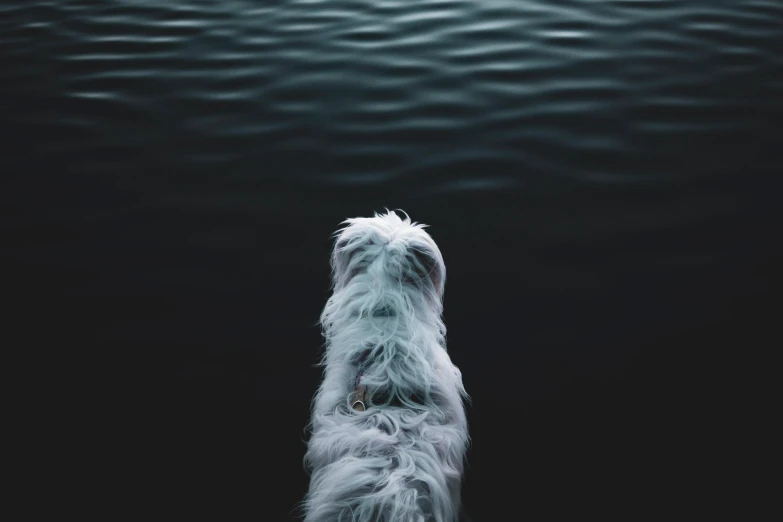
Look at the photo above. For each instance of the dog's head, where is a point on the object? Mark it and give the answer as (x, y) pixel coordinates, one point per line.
(390, 248)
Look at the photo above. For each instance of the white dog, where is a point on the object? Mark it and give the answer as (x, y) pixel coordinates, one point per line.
(389, 433)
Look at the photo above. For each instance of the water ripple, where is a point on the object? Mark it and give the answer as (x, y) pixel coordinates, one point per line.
(381, 91)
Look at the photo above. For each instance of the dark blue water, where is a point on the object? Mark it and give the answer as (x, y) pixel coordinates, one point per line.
(602, 177)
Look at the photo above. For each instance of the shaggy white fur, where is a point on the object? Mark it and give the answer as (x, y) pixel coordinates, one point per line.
(400, 459)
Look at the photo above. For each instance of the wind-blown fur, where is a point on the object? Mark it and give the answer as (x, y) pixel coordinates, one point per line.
(401, 459)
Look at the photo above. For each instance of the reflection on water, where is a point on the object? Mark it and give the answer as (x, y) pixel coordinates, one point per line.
(444, 95)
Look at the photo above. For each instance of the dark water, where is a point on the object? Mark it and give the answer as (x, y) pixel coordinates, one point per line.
(602, 177)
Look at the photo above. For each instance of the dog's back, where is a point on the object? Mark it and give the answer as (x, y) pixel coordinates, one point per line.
(389, 432)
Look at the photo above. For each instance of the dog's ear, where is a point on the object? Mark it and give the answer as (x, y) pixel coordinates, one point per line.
(425, 268)
(342, 255)
(340, 258)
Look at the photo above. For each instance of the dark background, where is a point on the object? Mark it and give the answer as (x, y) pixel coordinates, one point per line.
(602, 179)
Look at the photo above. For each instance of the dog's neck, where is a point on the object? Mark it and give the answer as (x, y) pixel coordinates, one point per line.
(359, 401)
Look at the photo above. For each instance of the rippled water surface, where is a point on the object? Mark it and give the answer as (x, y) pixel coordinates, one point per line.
(445, 95)
(601, 154)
